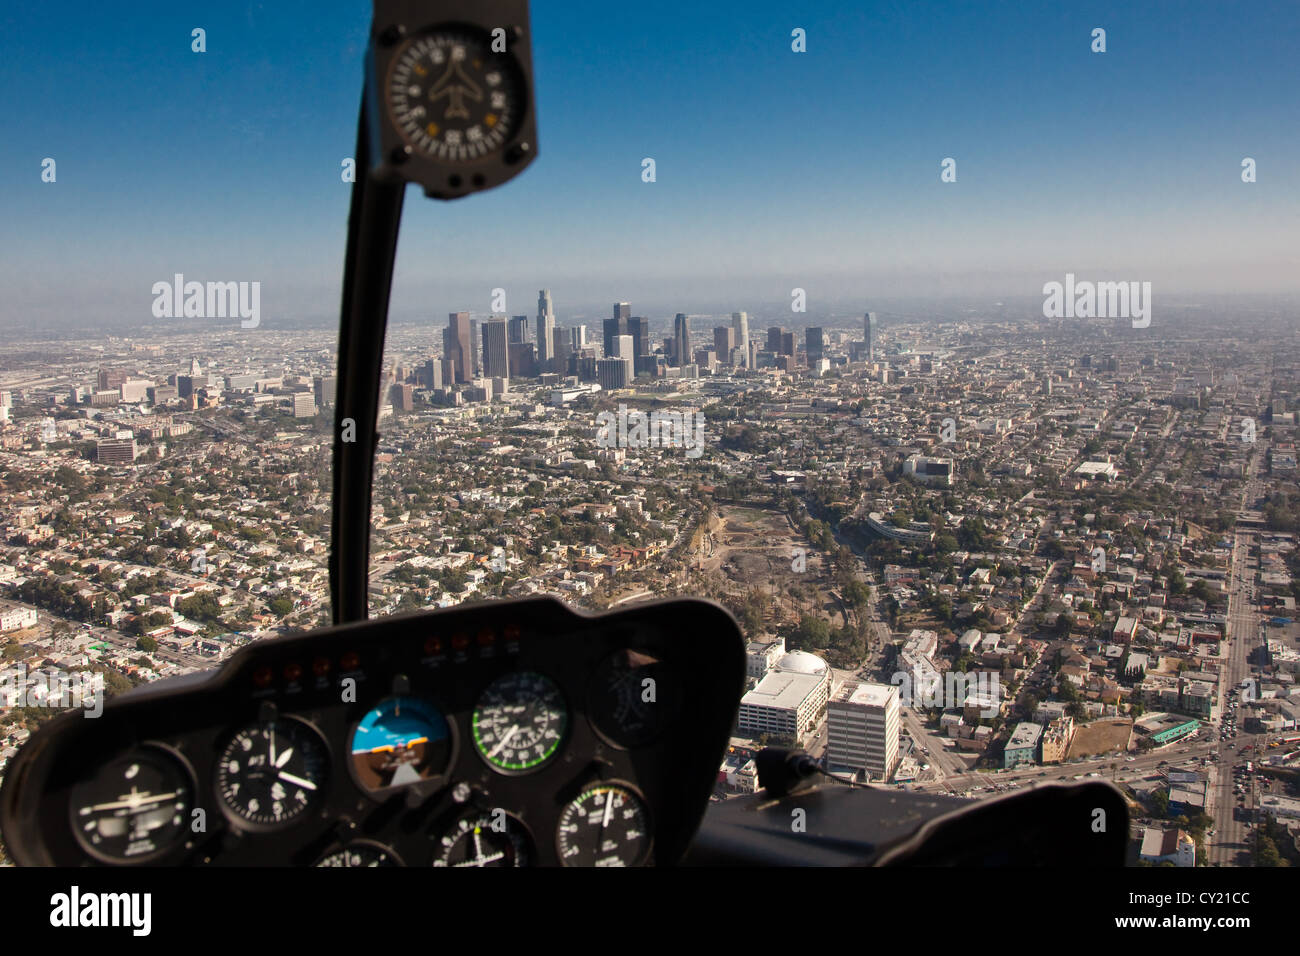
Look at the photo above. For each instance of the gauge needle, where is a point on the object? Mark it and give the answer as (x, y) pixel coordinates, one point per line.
(273, 763)
(134, 800)
(504, 740)
(609, 808)
(305, 784)
(284, 758)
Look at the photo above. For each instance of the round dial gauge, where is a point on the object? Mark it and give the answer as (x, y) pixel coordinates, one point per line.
(519, 722)
(633, 697)
(272, 773)
(361, 853)
(402, 741)
(451, 98)
(492, 838)
(135, 808)
(606, 825)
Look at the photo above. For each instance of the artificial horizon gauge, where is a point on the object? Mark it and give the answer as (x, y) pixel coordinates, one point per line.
(361, 853)
(273, 772)
(605, 825)
(450, 97)
(482, 839)
(135, 808)
(402, 741)
(519, 722)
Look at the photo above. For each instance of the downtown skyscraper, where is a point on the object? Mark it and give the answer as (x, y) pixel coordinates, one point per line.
(545, 329)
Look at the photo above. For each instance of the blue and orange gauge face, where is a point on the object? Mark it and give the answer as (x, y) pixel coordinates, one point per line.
(402, 741)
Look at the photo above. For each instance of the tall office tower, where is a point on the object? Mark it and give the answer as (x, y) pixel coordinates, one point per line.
(545, 329)
(496, 349)
(639, 328)
(787, 343)
(431, 376)
(458, 347)
(324, 388)
(622, 310)
(740, 325)
(681, 340)
(522, 360)
(1047, 384)
(614, 372)
(774, 339)
(611, 329)
(862, 728)
(814, 343)
(560, 351)
(476, 348)
(623, 348)
(519, 328)
(724, 340)
(868, 320)
(577, 337)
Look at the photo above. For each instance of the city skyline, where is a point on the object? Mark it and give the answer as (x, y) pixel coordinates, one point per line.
(1123, 165)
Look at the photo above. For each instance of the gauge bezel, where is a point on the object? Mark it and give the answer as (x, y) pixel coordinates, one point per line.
(566, 734)
(515, 79)
(344, 847)
(525, 833)
(594, 694)
(432, 783)
(168, 752)
(624, 785)
(250, 826)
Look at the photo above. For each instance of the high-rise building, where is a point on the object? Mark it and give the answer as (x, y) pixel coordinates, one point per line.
(402, 397)
(740, 325)
(324, 387)
(519, 328)
(862, 723)
(560, 351)
(304, 403)
(787, 343)
(545, 328)
(774, 339)
(681, 340)
(431, 375)
(639, 328)
(577, 337)
(622, 310)
(496, 349)
(724, 340)
(612, 328)
(868, 320)
(116, 451)
(458, 347)
(523, 360)
(624, 346)
(614, 372)
(111, 378)
(814, 343)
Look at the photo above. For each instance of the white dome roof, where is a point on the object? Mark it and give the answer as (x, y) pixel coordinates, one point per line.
(801, 662)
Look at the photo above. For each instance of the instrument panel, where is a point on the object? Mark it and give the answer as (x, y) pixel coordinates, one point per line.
(515, 733)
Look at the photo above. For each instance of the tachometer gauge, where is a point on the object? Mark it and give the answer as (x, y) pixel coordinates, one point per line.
(271, 773)
(490, 838)
(633, 696)
(361, 853)
(606, 825)
(519, 722)
(451, 98)
(135, 808)
(402, 741)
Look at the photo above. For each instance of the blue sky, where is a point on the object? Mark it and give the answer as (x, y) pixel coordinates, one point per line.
(774, 168)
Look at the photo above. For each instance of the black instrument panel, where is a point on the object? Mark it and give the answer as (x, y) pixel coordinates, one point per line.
(506, 733)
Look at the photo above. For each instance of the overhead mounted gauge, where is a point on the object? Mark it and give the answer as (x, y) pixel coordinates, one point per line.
(482, 839)
(135, 808)
(361, 853)
(450, 103)
(402, 741)
(270, 773)
(519, 722)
